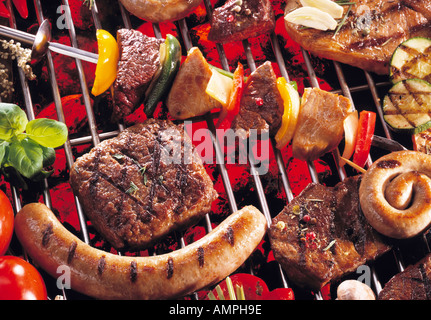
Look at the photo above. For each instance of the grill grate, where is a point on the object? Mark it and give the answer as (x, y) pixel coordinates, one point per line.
(370, 87)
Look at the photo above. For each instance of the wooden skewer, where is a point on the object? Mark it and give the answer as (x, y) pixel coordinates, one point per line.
(354, 165)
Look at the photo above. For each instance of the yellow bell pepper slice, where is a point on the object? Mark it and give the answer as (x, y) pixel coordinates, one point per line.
(292, 104)
(107, 63)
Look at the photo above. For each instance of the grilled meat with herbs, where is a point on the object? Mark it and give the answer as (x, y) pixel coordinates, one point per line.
(241, 19)
(370, 33)
(137, 67)
(143, 184)
(322, 235)
(261, 106)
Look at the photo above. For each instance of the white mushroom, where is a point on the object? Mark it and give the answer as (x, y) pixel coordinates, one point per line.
(354, 290)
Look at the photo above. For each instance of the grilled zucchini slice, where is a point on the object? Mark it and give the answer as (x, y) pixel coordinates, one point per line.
(411, 60)
(407, 106)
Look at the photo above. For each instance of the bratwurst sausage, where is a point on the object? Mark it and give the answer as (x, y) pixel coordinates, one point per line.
(395, 194)
(104, 275)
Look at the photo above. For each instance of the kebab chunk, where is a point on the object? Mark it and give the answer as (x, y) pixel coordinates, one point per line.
(261, 106)
(372, 31)
(143, 184)
(414, 283)
(320, 125)
(187, 97)
(137, 67)
(322, 235)
(241, 19)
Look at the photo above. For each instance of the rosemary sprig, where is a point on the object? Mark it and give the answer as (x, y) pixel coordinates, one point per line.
(343, 20)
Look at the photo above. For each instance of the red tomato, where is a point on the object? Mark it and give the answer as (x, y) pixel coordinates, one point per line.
(6, 222)
(280, 294)
(254, 287)
(19, 280)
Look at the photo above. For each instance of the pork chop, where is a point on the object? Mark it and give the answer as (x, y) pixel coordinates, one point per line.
(371, 33)
(143, 184)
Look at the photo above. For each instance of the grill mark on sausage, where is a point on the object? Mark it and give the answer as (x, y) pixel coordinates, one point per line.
(101, 265)
(388, 164)
(170, 268)
(229, 235)
(133, 271)
(46, 234)
(71, 253)
(201, 257)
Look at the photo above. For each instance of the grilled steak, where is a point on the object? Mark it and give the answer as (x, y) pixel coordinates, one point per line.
(320, 125)
(142, 184)
(373, 30)
(322, 234)
(414, 283)
(261, 106)
(138, 64)
(241, 19)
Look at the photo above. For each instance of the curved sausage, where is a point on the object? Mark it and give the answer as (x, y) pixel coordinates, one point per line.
(104, 275)
(160, 11)
(395, 194)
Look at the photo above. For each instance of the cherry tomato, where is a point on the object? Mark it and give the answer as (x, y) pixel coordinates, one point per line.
(19, 280)
(6, 222)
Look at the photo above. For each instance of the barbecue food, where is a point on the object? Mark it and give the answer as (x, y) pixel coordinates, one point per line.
(160, 11)
(395, 194)
(372, 31)
(322, 234)
(138, 65)
(411, 284)
(241, 19)
(261, 106)
(187, 97)
(141, 185)
(320, 123)
(104, 275)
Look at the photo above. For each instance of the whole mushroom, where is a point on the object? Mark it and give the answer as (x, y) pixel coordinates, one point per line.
(354, 290)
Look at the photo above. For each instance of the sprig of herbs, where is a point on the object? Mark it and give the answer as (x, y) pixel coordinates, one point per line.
(343, 20)
(27, 147)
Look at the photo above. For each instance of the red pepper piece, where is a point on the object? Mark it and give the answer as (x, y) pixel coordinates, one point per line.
(4, 12)
(21, 6)
(232, 107)
(367, 122)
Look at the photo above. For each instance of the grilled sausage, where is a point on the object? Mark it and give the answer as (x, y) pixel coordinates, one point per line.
(395, 194)
(104, 275)
(160, 11)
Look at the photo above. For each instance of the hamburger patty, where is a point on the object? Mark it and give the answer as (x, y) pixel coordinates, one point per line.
(143, 184)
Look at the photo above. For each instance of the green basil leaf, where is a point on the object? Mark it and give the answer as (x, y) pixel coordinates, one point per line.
(3, 149)
(47, 132)
(26, 156)
(13, 120)
(48, 156)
